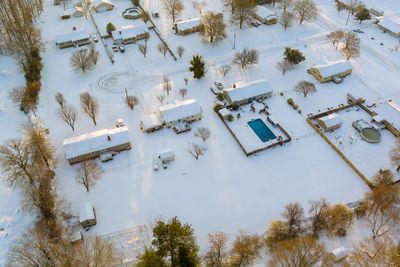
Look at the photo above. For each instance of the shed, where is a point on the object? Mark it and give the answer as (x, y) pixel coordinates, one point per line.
(390, 26)
(167, 155)
(243, 93)
(78, 12)
(150, 123)
(130, 34)
(225, 113)
(87, 214)
(180, 111)
(332, 71)
(102, 5)
(266, 16)
(377, 12)
(330, 122)
(74, 38)
(189, 26)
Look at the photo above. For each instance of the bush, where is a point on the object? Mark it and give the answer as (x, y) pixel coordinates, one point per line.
(290, 101)
(361, 209)
(217, 107)
(295, 106)
(281, 93)
(235, 106)
(230, 117)
(220, 96)
(299, 111)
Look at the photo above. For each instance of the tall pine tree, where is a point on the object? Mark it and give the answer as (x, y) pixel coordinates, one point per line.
(197, 67)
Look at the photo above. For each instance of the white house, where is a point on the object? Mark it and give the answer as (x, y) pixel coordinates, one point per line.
(150, 123)
(243, 93)
(87, 214)
(330, 122)
(266, 16)
(130, 34)
(92, 145)
(180, 111)
(390, 26)
(187, 26)
(74, 38)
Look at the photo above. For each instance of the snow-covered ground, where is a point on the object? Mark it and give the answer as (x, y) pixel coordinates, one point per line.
(223, 190)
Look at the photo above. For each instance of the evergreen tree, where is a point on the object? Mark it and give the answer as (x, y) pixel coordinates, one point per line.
(197, 67)
(150, 258)
(363, 14)
(293, 56)
(110, 28)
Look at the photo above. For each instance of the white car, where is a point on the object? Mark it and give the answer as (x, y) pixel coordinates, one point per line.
(219, 85)
(154, 163)
(120, 123)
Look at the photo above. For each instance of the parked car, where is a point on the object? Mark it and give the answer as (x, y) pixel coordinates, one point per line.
(165, 165)
(219, 85)
(154, 163)
(121, 49)
(120, 123)
(115, 48)
(358, 31)
(255, 23)
(95, 38)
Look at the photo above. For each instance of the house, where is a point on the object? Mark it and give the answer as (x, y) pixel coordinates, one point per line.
(180, 111)
(150, 123)
(102, 5)
(187, 26)
(334, 71)
(389, 26)
(266, 16)
(243, 93)
(79, 12)
(92, 145)
(130, 34)
(166, 155)
(330, 122)
(376, 12)
(87, 214)
(74, 38)
(389, 111)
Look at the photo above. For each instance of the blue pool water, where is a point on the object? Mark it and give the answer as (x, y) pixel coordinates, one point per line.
(261, 130)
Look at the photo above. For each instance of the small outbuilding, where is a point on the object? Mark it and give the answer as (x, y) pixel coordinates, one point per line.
(265, 16)
(74, 38)
(389, 26)
(87, 214)
(150, 123)
(186, 27)
(79, 12)
(330, 122)
(225, 113)
(102, 5)
(244, 93)
(180, 111)
(376, 12)
(130, 34)
(334, 71)
(166, 155)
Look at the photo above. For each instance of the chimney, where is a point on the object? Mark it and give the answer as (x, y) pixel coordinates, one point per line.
(234, 85)
(109, 138)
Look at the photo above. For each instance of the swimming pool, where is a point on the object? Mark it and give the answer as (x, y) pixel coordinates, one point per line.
(261, 130)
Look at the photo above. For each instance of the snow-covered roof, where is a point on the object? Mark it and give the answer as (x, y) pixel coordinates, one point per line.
(95, 141)
(72, 36)
(390, 111)
(391, 25)
(248, 90)
(180, 109)
(78, 9)
(340, 252)
(95, 3)
(334, 68)
(129, 31)
(331, 120)
(378, 118)
(151, 121)
(224, 112)
(86, 212)
(265, 13)
(188, 24)
(167, 153)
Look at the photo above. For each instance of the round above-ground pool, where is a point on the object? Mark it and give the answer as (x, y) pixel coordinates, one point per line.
(132, 13)
(370, 135)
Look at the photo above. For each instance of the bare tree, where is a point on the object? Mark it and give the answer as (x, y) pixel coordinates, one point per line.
(300, 251)
(216, 254)
(161, 98)
(167, 84)
(131, 101)
(162, 48)
(352, 6)
(305, 10)
(305, 88)
(88, 173)
(339, 218)
(60, 99)
(243, 12)
(143, 48)
(351, 45)
(89, 105)
(284, 66)
(196, 151)
(81, 61)
(231, 4)
(203, 133)
(277, 231)
(68, 114)
(17, 96)
(395, 155)
(318, 216)
(173, 8)
(335, 37)
(213, 27)
(183, 92)
(285, 4)
(246, 249)
(94, 54)
(180, 50)
(294, 215)
(286, 19)
(246, 57)
(97, 251)
(186, 80)
(224, 69)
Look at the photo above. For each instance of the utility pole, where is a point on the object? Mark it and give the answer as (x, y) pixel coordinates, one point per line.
(234, 40)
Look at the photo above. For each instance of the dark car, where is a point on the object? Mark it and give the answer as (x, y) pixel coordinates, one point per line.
(121, 49)
(358, 31)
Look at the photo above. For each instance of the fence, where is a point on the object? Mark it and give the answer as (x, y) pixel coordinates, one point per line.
(109, 54)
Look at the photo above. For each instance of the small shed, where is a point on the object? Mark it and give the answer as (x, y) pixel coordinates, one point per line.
(390, 26)
(167, 155)
(187, 26)
(265, 16)
(150, 123)
(87, 214)
(333, 71)
(330, 122)
(102, 5)
(225, 113)
(376, 12)
(79, 12)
